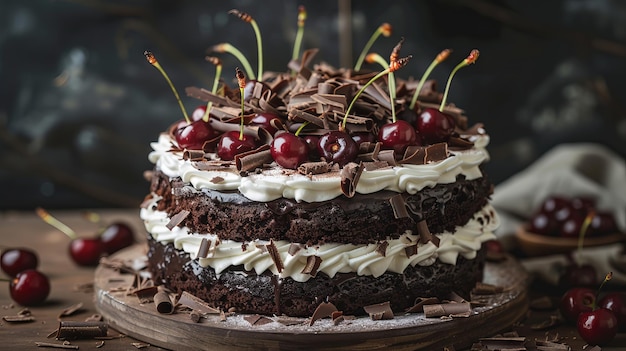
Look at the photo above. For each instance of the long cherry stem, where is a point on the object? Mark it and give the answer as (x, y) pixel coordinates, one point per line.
(608, 277)
(241, 79)
(374, 57)
(471, 58)
(153, 61)
(228, 48)
(48, 218)
(384, 29)
(216, 82)
(300, 33)
(440, 58)
(259, 43)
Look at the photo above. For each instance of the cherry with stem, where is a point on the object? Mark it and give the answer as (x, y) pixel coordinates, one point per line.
(598, 326)
(230, 49)
(216, 83)
(289, 150)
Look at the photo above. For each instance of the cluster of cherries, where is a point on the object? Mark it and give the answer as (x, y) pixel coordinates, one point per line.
(27, 286)
(564, 217)
(288, 148)
(597, 320)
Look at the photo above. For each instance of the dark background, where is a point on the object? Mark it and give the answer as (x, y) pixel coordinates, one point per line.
(79, 104)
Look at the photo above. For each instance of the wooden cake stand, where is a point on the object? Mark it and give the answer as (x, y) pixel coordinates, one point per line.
(125, 313)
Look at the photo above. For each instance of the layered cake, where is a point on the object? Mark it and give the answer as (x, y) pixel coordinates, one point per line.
(266, 230)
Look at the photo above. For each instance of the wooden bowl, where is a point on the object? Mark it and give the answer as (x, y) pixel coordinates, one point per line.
(533, 244)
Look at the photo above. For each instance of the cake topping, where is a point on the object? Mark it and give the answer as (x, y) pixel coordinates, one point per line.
(452, 309)
(379, 311)
(350, 175)
(275, 255)
(195, 303)
(312, 264)
(177, 219)
(325, 309)
(420, 302)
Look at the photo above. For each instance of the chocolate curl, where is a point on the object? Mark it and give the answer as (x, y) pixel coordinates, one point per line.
(272, 250)
(177, 219)
(294, 248)
(308, 168)
(398, 205)
(420, 302)
(312, 265)
(350, 175)
(325, 309)
(386, 156)
(18, 318)
(195, 303)
(452, 309)
(256, 319)
(332, 101)
(163, 303)
(193, 155)
(337, 317)
(253, 159)
(457, 143)
(81, 330)
(379, 311)
(425, 235)
(146, 295)
(307, 117)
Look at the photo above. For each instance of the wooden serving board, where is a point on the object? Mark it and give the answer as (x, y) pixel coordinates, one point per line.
(177, 331)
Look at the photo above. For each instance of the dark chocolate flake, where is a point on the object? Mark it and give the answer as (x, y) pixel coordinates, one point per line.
(256, 319)
(308, 168)
(350, 175)
(381, 248)
(203, 250)
(275, 255)
(379, 311)
(177, 219)
(163, 302)
(398, 205)
(312, 265)
(410, 250)
(325, 309)
(425, 235)
(254, 159)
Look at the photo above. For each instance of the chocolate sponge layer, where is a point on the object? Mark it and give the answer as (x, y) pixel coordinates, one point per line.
(248, 292)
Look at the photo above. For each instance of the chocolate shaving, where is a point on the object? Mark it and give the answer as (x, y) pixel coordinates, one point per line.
(453, 309)
(425, 235)
(294, 248)
(386, 156)
(410, 250)
(146, 295)
(19, 318)
(163, 302)
(398, 205)
(193, 155)
(286, 320)
(486, 289)
(312, 265)
(56, 346)
(420, 302)
(81, 330)
(436, 152)
(325, 309)
(381, 248)
(195, 316)
(272, 250)
(216, 180)
(458, 143)
(140, 345)
(195, 303)
(177, 219)
(257, 319)
(504, 343)
(337, 317)
(350, 175)
(379, 311)
(254, 159)
(70, 310)
(314, 168)
(203, 250)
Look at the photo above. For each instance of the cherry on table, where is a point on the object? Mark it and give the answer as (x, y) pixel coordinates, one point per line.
(230, 145)
(117, 236)
(576, 301)
(397, 136)
(597, 327)
(29, 287)
(86, 251)
(338, 147)
(289, 150)
(616, 302)
(16, 260)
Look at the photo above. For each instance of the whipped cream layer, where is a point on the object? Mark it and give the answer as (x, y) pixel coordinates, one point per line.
(335, 258)
(274, 183)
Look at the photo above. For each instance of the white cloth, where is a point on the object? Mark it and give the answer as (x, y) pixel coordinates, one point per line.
(568, 170)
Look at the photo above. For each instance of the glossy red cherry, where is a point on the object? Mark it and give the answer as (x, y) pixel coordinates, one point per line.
(544, 224)
(570, 228)
(397, 136)
(363, 137)
(198, 113)
(193, 135)
(576, 301)
(597, 327)
(86, 251)
(29, 287)
(337, 147)
(117, 236)
(434, 126)
(289, 150)
(266, 121)
(312, 141)
(553, 203)
(16, 260)
(616, 302)
(230, 145)
(602, 223)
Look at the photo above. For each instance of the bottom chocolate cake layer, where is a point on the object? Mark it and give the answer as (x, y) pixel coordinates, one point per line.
(267, 294)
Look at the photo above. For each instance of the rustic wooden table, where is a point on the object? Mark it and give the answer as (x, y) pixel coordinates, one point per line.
(68, 283)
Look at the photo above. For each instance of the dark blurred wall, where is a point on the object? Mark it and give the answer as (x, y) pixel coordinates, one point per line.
(79, 104)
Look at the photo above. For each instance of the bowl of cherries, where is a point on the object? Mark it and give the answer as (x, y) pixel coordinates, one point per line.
(561, 224)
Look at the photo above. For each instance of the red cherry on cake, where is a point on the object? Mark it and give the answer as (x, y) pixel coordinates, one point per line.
(434, 126)
(576, 301)
(597, 327)
(117, 236)
(266, 121)
(363, 137)
(193, 135)
(397, 136)
(337, 147)
(16, 260)
(616, 302)
(231, 144)
(29, 287)
(289, 150)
